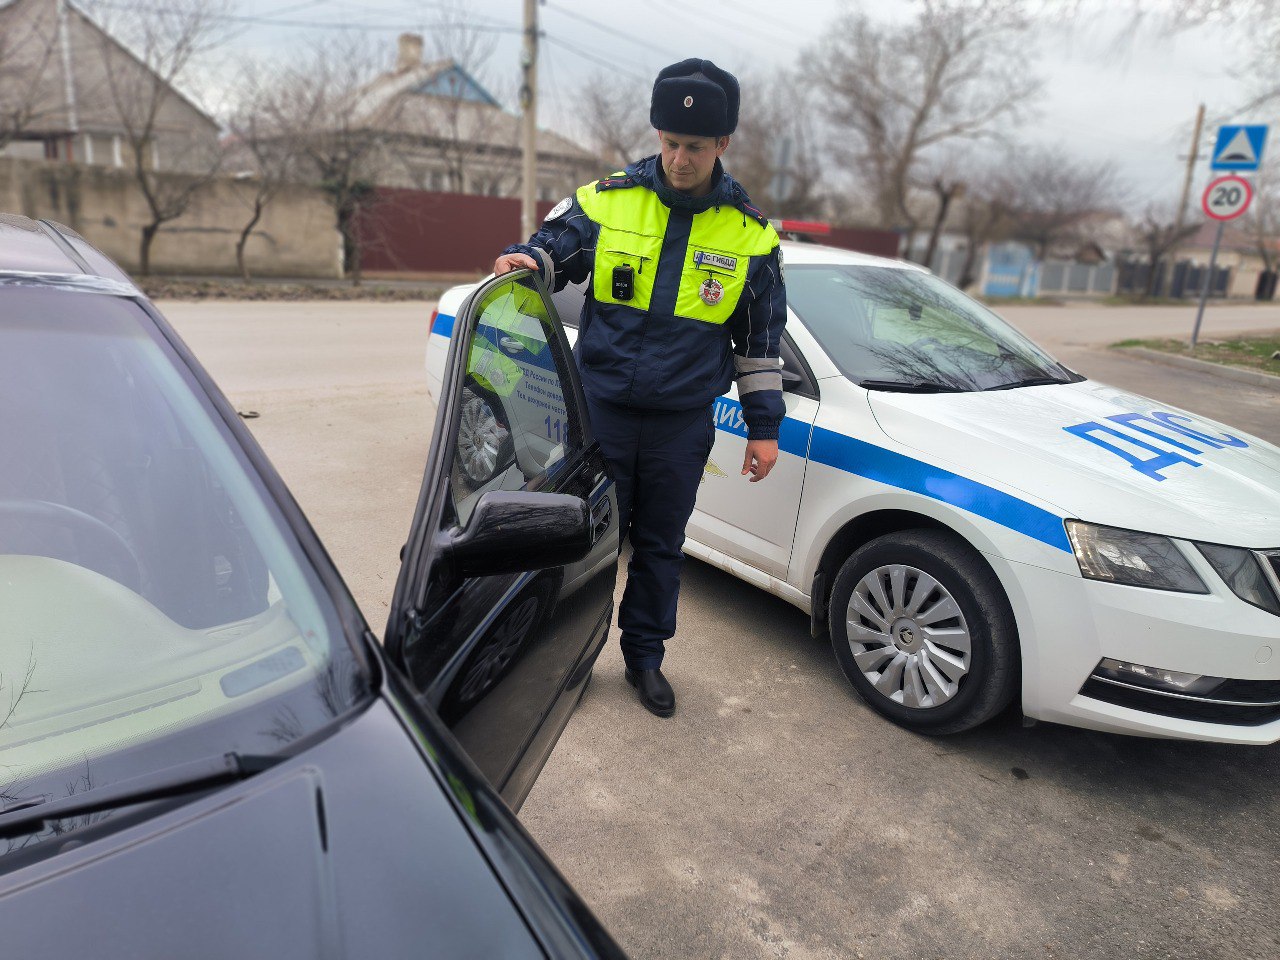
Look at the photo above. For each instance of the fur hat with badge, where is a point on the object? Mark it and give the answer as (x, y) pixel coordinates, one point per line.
(696, 98)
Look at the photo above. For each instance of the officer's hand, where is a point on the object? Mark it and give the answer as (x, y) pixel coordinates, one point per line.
(760, 458)
(513, 261)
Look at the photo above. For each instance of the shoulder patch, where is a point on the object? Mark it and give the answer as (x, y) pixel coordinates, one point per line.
(755, 214)
(615, 181)
(559, 210)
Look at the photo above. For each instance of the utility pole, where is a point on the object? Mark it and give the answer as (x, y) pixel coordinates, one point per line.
(1192, 157)
(529, 104)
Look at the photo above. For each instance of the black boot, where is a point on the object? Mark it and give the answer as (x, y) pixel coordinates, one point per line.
(655, 693)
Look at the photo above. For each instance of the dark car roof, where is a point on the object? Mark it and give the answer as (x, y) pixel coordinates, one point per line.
(48, 253)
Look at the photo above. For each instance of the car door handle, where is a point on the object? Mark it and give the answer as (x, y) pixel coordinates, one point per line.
(511, 344)
(601, 516)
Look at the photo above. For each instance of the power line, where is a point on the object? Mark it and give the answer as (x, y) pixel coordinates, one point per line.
(605, 28)
(773, 23)
(305, 24)
(588, 55)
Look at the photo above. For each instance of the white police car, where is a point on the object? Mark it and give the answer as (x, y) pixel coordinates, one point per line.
(968, 520)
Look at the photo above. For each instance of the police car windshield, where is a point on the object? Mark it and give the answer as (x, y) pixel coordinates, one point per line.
(886, 327)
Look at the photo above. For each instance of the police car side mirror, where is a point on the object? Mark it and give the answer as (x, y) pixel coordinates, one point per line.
(791, 381)
(515, 531)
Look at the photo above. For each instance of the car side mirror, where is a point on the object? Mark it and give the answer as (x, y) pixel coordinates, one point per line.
(791, 381)
(514, 531)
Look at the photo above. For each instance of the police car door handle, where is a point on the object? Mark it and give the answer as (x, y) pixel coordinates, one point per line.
(510, 344)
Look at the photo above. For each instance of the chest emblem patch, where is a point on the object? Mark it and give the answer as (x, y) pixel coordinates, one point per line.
(711, 291)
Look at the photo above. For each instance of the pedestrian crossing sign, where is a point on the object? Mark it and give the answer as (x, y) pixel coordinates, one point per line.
(1239, 148)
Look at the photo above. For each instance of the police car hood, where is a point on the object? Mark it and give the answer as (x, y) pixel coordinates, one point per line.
(1102, 455)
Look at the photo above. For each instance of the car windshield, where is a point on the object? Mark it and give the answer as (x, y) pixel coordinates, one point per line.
(154, 605)
(892, 328)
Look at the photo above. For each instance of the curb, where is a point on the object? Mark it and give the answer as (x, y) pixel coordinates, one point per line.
(1253, 377)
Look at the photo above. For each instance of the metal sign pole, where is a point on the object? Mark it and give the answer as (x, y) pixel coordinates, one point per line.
(1208, 279)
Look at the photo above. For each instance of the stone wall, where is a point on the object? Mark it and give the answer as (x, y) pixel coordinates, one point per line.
(296, 236)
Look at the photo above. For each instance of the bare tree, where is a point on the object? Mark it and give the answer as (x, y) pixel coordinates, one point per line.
(774, 151)
(157, 47)
(974, 197)
(897, 91)
(946, 187)
(28, 88)
(1054, 194)
(615, 117)
(1159, 234)
(316, 112)
(271, 161)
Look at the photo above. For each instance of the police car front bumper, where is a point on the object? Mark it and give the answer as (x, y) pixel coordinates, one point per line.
(1069, 626)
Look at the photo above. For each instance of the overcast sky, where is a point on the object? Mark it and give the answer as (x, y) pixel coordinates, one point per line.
(1131, 102)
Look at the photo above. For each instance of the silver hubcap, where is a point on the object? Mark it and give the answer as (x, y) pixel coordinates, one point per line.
(480, 438)
(908, 636)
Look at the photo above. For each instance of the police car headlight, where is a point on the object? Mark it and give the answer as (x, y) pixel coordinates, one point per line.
(1132, 558)
(1241, 570)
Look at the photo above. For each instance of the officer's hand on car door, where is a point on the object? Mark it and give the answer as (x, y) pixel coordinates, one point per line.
(513, 261)
(760, 458)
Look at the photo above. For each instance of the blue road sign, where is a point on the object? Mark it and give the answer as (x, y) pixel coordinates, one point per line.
(1239, 148)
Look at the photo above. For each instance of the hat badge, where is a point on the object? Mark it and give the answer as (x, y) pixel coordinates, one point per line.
(688, 101)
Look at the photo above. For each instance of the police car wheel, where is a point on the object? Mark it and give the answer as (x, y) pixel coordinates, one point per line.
(923, 630)
(484, 446)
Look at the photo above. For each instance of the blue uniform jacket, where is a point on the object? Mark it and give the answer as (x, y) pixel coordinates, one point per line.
(652, 359)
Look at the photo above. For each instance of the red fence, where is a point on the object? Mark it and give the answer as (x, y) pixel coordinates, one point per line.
(414, 231)
(882, 243)
(421, 232)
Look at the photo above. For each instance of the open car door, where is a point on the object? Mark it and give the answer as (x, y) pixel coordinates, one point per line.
(505, 595)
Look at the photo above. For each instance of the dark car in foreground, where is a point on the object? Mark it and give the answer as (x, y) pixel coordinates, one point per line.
(204, 751)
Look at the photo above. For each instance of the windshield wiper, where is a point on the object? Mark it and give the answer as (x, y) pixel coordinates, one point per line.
(902, 386)
(26, 816)
(1028, 382)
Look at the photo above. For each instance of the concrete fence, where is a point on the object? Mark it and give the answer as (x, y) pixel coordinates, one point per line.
(400, 231)
(296, 236)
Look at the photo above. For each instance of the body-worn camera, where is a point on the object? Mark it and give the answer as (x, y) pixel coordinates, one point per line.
(624, 282)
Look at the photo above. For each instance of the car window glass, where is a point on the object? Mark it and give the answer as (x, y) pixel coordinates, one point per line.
(515, 428)
(891, 324)
(151, 596)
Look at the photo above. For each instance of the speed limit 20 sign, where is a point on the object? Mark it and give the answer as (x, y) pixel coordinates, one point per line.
(1227, 197)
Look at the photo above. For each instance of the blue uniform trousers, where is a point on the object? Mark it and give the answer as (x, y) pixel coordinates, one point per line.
(657, 460)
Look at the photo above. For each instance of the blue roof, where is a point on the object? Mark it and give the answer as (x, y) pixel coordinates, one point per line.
(456, 83)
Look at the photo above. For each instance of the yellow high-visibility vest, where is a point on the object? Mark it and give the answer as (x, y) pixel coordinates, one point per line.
(633, 223)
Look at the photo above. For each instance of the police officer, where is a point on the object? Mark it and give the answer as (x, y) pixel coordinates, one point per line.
(686, 296)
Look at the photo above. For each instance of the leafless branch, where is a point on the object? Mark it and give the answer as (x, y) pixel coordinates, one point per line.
(144, 53)
(896, 92)
(29, 91)
(320, 111)
(774, 152)
(614, 115)
(1052, 195)
(20, 690)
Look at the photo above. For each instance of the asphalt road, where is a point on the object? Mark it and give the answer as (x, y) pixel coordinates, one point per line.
(775, 815)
